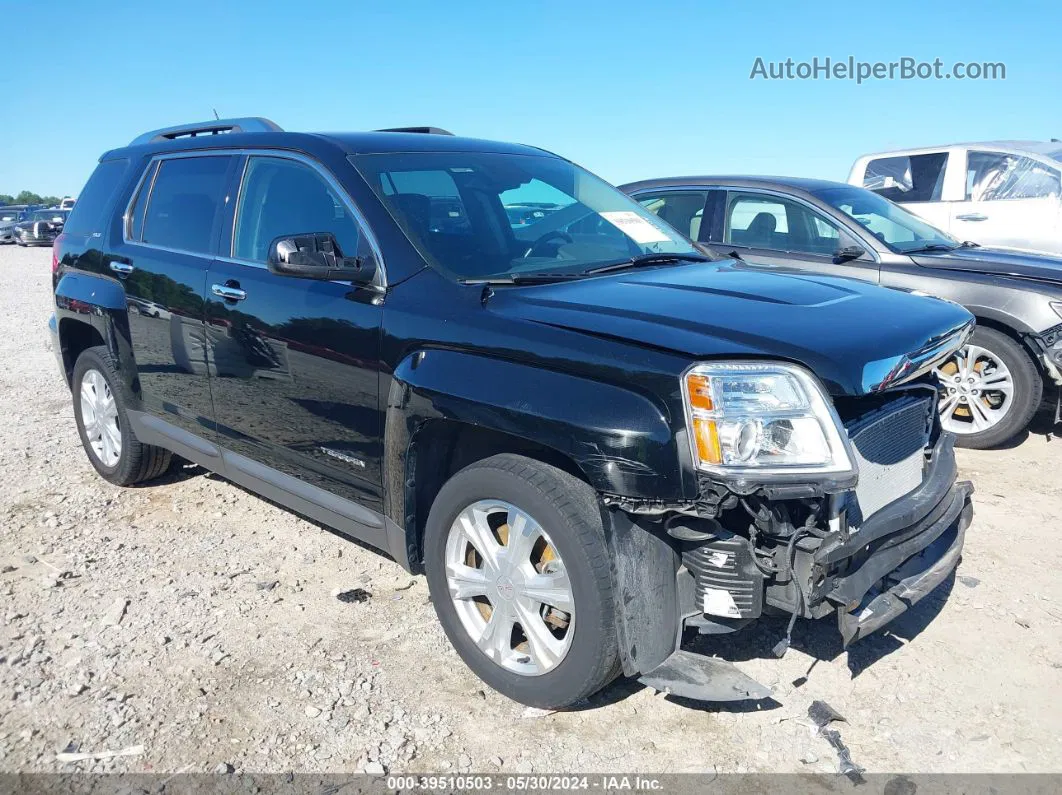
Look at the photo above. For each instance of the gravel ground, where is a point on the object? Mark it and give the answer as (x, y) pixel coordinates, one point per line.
(198, 627)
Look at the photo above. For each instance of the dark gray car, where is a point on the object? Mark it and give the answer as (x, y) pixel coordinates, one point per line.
(995, 383)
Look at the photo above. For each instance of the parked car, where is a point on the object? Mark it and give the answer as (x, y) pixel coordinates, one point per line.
(40, 227)
(10, 215)
(994, 384)
(586, 444)
(68, 203)
(996, 193)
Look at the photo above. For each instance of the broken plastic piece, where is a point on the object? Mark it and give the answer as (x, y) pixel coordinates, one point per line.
(701, 678)
(822, 715)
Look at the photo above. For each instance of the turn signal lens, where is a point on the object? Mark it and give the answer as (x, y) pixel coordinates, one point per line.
(700, 391)
(707, 437)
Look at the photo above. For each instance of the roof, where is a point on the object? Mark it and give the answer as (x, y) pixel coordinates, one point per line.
(1052, 149)
(737, 181)
(260, 133)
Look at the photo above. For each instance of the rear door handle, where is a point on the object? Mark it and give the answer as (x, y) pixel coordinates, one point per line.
(972, 217)
(228, 293)
(121, 268)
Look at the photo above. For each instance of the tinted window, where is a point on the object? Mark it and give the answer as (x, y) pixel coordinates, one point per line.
(183, 203)
(760, 221)
(683, 210)
(135, 227)
(914, 178)
(281, 198)
(994, 176)
(95, 198)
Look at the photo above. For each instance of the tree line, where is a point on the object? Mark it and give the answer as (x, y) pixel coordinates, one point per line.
(28, 197)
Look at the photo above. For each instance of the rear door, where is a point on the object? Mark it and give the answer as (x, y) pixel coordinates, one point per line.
(296, 361)
(1009, 200)
(917, 181)
(769, 229)
(169, 238)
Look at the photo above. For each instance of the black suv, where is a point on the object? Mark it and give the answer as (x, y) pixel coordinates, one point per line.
(587, 434)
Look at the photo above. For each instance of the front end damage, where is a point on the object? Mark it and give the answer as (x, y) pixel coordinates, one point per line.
(864, 553)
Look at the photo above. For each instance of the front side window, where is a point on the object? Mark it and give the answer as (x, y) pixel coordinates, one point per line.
(284, 198)
(769, 222)
(184, 201)
(684, 210)
(480, 215)
(995, 176)
(899, 229)
(907, 178)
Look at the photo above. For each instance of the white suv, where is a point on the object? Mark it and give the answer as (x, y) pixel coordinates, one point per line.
(1000, 193)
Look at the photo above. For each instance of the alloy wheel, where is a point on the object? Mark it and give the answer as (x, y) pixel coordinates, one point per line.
(510, 587)
(99, 415)
(977, 390)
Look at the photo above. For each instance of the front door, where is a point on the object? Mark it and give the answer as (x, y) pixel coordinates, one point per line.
(768, 229)
(1009, 201)
(295, 362)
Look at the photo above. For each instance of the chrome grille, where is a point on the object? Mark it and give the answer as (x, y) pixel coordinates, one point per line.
(890, 454)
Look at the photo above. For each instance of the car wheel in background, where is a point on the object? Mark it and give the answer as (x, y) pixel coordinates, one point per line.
(990, 390)
(101, 413)
(519, 574)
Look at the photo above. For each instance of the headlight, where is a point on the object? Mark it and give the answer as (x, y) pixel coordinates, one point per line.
(770, 419)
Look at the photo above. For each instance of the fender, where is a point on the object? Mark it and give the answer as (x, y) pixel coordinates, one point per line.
(99, 302)
(622, 441)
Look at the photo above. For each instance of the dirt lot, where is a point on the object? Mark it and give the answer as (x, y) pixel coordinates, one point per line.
(201, 623)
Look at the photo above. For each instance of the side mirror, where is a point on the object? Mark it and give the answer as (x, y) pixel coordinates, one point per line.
(317, 256)
(848, 253)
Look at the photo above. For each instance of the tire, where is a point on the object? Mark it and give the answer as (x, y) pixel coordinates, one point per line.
(991, 349)
(134, 462)
(567, 509)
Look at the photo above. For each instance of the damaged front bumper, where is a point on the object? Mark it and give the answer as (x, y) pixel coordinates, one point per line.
(867, 575)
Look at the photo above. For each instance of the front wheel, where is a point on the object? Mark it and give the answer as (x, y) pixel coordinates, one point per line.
(519, 574)
(990, 389)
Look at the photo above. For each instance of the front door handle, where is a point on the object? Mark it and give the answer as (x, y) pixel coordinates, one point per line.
(228, 293)
(121, 268)
(972, 217)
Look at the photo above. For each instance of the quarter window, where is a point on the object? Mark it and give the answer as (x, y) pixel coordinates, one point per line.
(995, 176)
(907, 178)
(281, 198)
(759, 221)
(95, 199)
(184, 201)
(684, 210)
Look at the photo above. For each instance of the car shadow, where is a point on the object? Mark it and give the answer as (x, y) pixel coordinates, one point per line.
(1042, 424)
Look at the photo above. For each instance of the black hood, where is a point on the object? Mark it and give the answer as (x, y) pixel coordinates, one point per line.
(995, 261)
(856, 337)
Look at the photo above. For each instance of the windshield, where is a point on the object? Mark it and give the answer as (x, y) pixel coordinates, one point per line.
(480, 215)
(49, 215)
(888, 222)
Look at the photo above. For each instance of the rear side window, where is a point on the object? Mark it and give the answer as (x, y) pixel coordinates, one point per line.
(95, 198)
(914, 178)
(184, 201)
(684, 210)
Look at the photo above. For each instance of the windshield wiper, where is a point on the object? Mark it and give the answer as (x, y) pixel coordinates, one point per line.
(647, 259)
(525, 278)
(928, 247)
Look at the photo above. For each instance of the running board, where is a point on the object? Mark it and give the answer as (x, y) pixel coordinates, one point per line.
(701, 678)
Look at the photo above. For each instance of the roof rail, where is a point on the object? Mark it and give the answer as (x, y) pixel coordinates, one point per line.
(213, 127)
(424, 130)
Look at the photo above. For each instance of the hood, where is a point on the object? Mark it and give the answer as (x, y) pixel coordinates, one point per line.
(996, 261)
(856, 337)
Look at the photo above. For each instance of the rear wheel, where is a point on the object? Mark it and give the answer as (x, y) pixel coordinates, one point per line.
(990, 390)
(101, 412)
(519, 574)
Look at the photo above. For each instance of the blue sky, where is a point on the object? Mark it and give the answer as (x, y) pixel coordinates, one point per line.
(627, 89)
